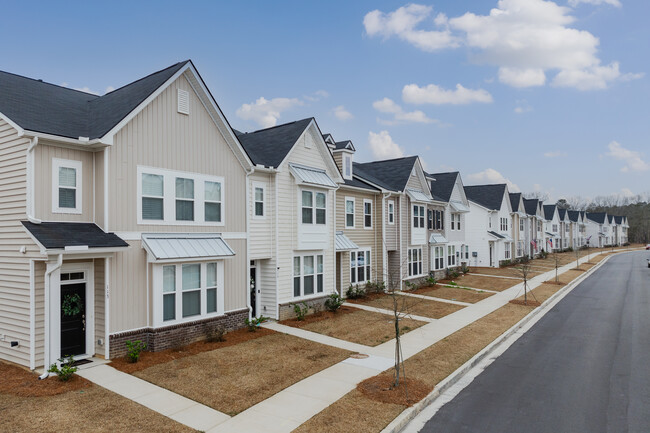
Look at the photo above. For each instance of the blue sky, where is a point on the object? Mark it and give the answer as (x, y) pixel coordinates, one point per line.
(554, 96)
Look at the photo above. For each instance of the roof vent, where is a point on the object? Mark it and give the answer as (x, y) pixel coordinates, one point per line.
(183, 101)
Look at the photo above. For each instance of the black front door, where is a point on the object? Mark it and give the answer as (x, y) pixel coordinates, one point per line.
(253, 288)
(73, 319)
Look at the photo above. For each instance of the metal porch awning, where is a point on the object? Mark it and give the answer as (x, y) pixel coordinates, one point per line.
(185, 246)
(344, 243)
(418, 196)
(312, 176)
(495, 235)
(437, 238)
(457, 206)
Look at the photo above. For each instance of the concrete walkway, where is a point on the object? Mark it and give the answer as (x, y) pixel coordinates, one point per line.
(433, 298)
(316, 337)
(172, 405)
(496, 276)
(388, 312)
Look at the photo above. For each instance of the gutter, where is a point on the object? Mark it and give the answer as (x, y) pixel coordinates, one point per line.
(48, 274)
(248, 250)
(30, 181)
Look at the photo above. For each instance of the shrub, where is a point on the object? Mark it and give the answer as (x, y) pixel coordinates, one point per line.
(333, 302)
(254, 323)
(215, 334)
(67, 368)
(301, 310)
(543, 254)
(452, 273)
(430, 280)
(505, 263)
(133, 349)
(355, 292)
(375, 287)
(464, 268)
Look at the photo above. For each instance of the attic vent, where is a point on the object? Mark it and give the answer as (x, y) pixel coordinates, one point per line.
(183, 102)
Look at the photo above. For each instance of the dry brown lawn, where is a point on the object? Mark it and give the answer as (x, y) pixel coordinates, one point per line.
(358, 326)
(357, 414)
(454, 294)
(88, 408)
(234, 378)
(510, 271)
(412, 305)
(485, 283)
(566, 277)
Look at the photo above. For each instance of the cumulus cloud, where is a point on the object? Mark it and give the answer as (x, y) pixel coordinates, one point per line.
(342, 114)
(528, 40)
(555, 154)
(631, 158)
(523, 107)
(626, 192)
(388, 106)
(615, 3)
(382, 146)
(433, 94)
(490, 175)
(267, 112)
(316, 96)
(402, 23)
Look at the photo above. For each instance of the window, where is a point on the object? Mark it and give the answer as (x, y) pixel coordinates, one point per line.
(539, 226)
(66, 186)
(259, 201)
(554, 228)
(520, 248)
(169, 292)
(367, 214)
(414, 262)
(503, 224)
(391, 212)
(466, 247)
(360, 266)
(153, 197)
(566, 229)
(438, 258)
(314, 209)
(521, 225)
(184, 199)
(349, 213)
(418, 216)
(308, 278)
(508, 246)
(455, 221)
(347, 166)
(429, 219)
(451, 255)
(439, 220)
(191, 290)
(212, 206)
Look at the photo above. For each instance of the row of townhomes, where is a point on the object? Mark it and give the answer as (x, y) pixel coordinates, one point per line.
(142, 214)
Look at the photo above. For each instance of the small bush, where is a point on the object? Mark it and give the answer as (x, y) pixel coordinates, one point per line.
(255, 323)
(355, 292)
(543, 254)
(215, 334)
(464, 268)
(452, 273)
(333, 302)
(134, 348)
(430, 280)
(67, 368)
(375, 287)
(505, 263)
(301, 310)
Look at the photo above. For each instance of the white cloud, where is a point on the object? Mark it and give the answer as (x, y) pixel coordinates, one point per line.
(555, 154)
(632, 159)
(490, 175)
(433, 94)
(316, 96)
(342, 114)
(626, 192)
(523, 107)
(403, 22)
(382, 146)
(615, 3)
(267, 112)
(388, 106)
(528, 40)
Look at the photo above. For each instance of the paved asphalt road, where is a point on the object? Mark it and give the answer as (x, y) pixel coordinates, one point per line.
(584, 367)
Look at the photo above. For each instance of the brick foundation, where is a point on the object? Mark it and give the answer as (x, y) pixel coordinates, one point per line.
(168, 337)
(314, 304)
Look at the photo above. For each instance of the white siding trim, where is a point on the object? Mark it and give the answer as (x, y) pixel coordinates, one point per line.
(67, 163)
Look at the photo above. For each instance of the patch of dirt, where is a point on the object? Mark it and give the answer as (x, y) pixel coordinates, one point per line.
(318, 317)
(411, 305)
(20, 382)
(149, 359)
(453, 293)
(528, 303)
(380, 388)
(487, 283)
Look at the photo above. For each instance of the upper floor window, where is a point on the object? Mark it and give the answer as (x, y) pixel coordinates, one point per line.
(314, 207)
(349, 212)
(66, 186)
(184, 199)
(153, 196)
(418, 216)
(391, 212)
(213, 201)
(455, 221)
(504, 224)
(439, 220)
(367, 214)
(429, 219)
(259, 200)
(521, 225)
(554, 228)
(347, 166)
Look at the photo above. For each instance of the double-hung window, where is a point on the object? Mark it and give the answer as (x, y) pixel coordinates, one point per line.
(508, 246)
(314, 207)
(414, 262)
(308, 275)
(521, 225)
(153, 197)
(391, 212)
(169, 292)
(438, 220)
(455, 221)
(349, 213)
(184, 199)
(212, 206)
(451, 255)
(429, 219)
(259, 201)
(367, 214)
(360, 266)
(418, 216)
(438, 258)
(66, 186)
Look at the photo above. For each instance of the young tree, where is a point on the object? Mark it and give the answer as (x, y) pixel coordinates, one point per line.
(524, 271)
(556, 258)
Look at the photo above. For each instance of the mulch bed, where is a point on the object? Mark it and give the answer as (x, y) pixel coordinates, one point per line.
(149, 359)
(380, 388)
(529, 303)
(23, 383)
(318, 317)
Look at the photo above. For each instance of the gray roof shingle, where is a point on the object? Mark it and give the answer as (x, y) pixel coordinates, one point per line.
(489, 196)
(270, 146)
(549, 210)
(58, 235)
(598, 217)
(443, 185)
(391, 174)
(530, 204)
(515, 198)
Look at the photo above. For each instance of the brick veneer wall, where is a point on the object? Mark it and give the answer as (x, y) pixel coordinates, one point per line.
(316, 304)
(168, 337)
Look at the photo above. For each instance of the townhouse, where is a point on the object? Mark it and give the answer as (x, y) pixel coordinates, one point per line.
(121, 217)
(552, 227)
(577, 228)
(520, 226)
(489, 225)
(533, 209)
(596, 229)
(565, 224)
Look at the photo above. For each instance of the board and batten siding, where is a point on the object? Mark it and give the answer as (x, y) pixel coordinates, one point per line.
(406, 218)
(14, 266)
(261, 230)
(392, 230)
(100, 302)
(266, 270)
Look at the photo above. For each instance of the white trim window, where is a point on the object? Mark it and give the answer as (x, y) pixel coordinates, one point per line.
(259, 195)
(438, 258)
(367, 214)
(451, 255)
(464, 252)
(508, 247)
(66, 186)
(349, 212)
(418, 216)
(455, 221)
(179, 198)
(360, 262)
(347, 166)
(504, 224)
(414, 262)
(439, 220)
(429, 219)
(555, 228)
(391, 212)
(188, 291)
(308, 277)
(521, 225)
(314, 207)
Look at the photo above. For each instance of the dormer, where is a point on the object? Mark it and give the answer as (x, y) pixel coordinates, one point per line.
(343, 153)
(329, 140)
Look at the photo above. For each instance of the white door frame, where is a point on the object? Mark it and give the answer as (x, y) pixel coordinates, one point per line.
(258, 290)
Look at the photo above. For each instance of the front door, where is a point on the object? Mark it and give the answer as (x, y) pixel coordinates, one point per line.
(491, 244)
(73, 319)
(253, 289)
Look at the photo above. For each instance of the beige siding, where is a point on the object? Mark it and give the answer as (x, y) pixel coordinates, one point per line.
(39, 307)
(392, 230)
(407, 223)
(338, 158)
(43, 156)
(100, 313)
(266, 284)
(99, 188)
(262, 230)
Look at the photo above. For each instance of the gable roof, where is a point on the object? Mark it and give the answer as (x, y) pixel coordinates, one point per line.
(618, 219)
(549, 210)
(610, 218)
(443, 185)
(598, 217)
(489, 196)
(345, 145)
(530, 204)
(270, 146)
(574, 215)
(391, 174)
(515, 199)
(50, 109)
(562, 213)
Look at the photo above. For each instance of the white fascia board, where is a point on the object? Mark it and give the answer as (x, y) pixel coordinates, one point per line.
(14, 125)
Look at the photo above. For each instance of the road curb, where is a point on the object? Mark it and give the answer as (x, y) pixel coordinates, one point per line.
(402, 420)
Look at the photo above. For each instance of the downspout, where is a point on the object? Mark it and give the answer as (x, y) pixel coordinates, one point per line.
(384, 248)
(248, 250)
(48, 273)
(30, 181)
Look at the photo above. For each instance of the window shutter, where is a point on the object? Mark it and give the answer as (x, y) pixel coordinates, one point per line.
(183, 102)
